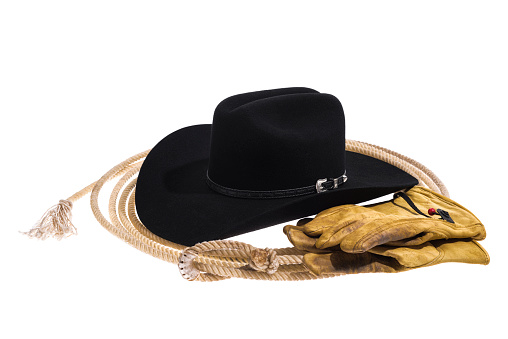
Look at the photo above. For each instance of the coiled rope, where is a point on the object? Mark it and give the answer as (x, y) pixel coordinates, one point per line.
(211, 260)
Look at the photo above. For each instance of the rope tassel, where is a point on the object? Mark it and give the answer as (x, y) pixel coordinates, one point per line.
(56, 223)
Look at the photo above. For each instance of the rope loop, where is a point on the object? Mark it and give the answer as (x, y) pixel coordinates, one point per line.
(212, 260)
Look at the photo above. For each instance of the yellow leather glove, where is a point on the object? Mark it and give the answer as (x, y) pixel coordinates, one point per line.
(398, 222)
(386, 259)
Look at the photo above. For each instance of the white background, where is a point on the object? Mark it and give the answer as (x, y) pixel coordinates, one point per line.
(86, 84)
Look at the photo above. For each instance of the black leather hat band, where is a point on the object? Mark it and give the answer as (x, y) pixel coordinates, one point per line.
(322, 185)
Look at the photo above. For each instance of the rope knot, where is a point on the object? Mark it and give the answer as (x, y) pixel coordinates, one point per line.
(264, 260)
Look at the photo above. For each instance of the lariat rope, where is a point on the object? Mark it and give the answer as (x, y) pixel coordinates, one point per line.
(211, 260)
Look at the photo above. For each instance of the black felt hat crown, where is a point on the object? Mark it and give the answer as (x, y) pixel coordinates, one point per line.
(269, 157)
(273, 144)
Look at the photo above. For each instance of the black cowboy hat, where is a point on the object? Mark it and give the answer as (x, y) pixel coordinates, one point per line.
(269, 157)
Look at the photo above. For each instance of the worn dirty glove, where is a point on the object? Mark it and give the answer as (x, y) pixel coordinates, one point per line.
(386, 259)
(398, 222)
(397, 259)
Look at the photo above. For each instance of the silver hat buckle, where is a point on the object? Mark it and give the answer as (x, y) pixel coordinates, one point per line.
(336, 183)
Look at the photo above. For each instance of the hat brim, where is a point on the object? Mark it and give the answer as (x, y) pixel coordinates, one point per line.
(174, 201)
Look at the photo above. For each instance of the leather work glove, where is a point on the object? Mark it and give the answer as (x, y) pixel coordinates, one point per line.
(398, 222)
(386, 259)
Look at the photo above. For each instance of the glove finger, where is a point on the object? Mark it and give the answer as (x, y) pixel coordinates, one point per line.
(379, 232)
(435, 229)
(333, 210)
(347, 216)
(334, 235)
(301, 241)
(436, 252)
(410, 257)
(319, 263)
(419, 239)
(405, 232)
(346, 263)
(335, 217)
(303, 221)
(461, 250)
(288, 228)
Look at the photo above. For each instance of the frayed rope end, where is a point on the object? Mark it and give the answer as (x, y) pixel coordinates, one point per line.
(56, 223)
